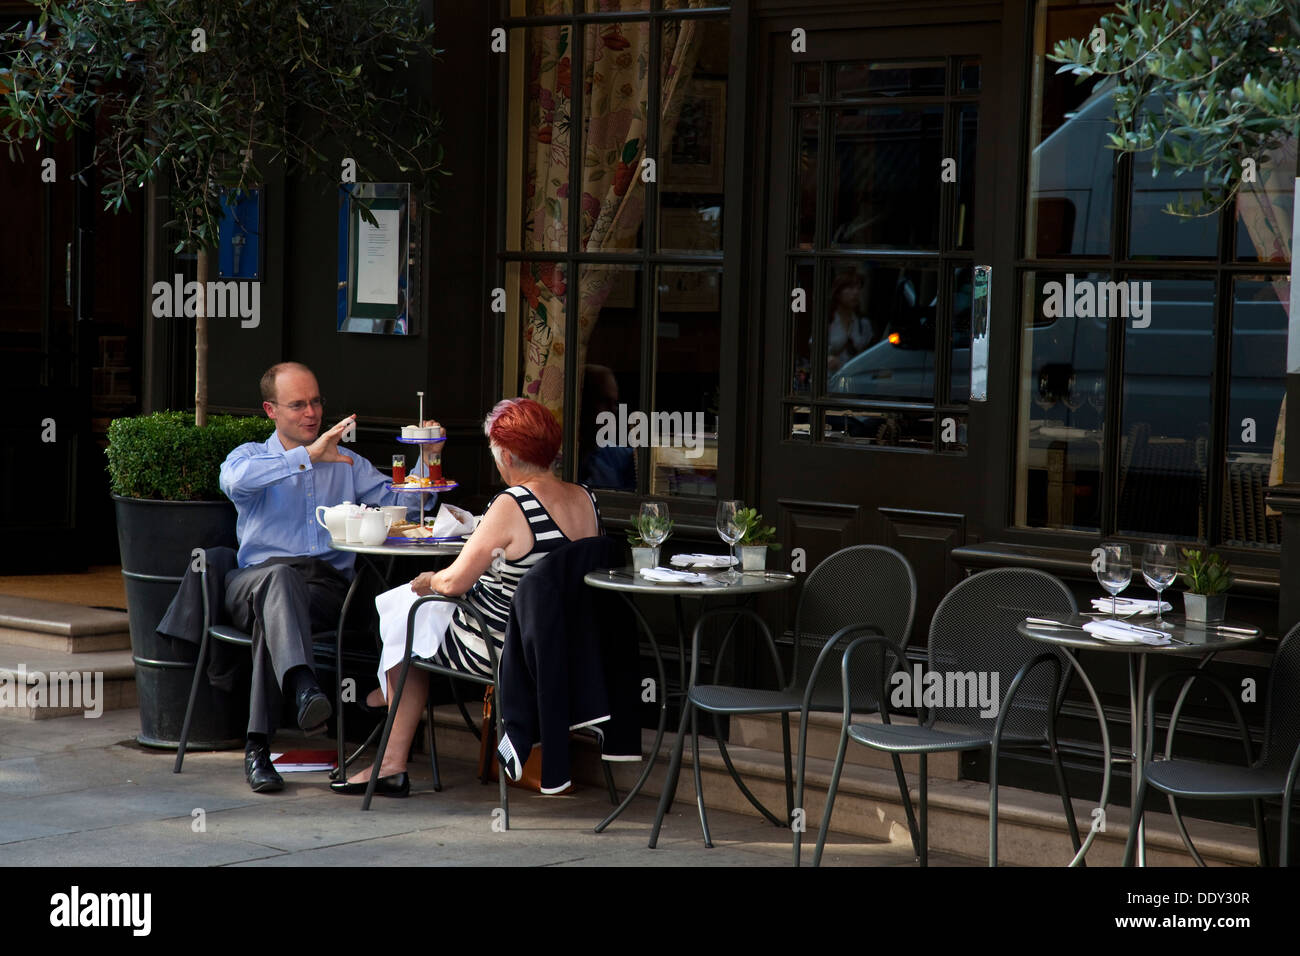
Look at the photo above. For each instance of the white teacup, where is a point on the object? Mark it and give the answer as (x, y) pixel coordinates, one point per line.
(410, 431)
(395, 513)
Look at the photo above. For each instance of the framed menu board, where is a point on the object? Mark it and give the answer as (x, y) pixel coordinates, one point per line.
(378, 275)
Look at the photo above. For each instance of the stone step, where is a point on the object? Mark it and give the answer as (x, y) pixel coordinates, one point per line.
(36, 683)
(763, 732)
(61, 628)
(1031, 830)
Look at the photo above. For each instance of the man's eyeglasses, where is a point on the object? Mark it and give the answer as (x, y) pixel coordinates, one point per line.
(299, 407)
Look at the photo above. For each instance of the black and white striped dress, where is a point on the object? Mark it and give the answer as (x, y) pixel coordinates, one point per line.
(463, 649)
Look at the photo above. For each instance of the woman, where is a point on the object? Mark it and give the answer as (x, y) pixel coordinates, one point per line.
(536, 514)
(847, 333)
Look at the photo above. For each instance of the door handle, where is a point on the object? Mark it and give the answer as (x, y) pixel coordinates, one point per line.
(979, 334)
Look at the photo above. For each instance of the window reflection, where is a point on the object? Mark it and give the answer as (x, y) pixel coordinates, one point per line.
(879, 331)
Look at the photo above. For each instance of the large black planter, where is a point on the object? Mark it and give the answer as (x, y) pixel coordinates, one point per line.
(156, 539)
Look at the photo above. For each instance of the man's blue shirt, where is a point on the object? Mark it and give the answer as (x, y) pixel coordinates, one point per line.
(276, 493)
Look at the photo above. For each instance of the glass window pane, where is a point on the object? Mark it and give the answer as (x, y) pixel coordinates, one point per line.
(879, 331)
(1071, 172)
(688, 333)
(968, 75)
(799, 420)
(611, 375)
(1264, 208)
(614, 111)
(693, 135)
(884, 179)
(959, 323)
(801, 334)
(1156, 234)
(1256, 392)
(601, 6)
(886, 429)
(542, 289)
(967, 130)
(546, 138)
(860, 79)
(810, 80)
(1166, 412)
(1062, 410)
(806, 179)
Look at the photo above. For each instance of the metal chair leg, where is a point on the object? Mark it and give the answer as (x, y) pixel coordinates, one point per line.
(609, 782)
(430, 738)
(670, 781)
(993, 806)
(699, 782)
(189, 707)
(383, 739)
(1261, 832)
(1064, 787)
(830, 797)
(735, 775)
(1135, 822)
(501, 773)
(789, 770)
(925, 808)
(912, 829)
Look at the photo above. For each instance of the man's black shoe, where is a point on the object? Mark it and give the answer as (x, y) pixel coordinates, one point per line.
(313, 709)
(259, 773)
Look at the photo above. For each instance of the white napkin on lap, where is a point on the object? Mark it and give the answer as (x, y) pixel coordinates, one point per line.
(1127, 607)
(702, 560)
(669, 576)
(1118, 632)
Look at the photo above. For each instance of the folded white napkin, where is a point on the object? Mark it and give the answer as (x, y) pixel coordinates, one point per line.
(1127, 607)
(452, 521)
(669, 576)
(1118, 632)
(702, 560)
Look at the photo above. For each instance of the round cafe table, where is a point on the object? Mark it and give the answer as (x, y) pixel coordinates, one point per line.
(630, 585)
(1186, 640)
(441, 549)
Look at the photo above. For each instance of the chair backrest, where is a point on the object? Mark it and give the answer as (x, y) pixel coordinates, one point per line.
(975, 646)
(866, 583)
(1282, 718)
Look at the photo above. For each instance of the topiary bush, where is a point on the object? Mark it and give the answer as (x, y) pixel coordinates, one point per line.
(163, 456)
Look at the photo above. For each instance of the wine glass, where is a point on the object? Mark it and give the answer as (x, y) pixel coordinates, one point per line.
(730, 530)
(1160, 567)
(1043, 396)
(1116, 572)
(654, 524)
(1073, 398)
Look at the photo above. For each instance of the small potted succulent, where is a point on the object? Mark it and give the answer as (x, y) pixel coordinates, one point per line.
(1207, 577)
(644, 536)
(754, 540)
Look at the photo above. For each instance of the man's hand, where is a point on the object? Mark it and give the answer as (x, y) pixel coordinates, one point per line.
(326, 447)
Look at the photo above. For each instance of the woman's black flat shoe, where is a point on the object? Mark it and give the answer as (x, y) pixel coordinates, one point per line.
(398, 785)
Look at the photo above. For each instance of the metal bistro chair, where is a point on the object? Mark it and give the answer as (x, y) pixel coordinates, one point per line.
(857, 588)
(974, 630)
(230, 635)
(433, 667)
(1273, 776)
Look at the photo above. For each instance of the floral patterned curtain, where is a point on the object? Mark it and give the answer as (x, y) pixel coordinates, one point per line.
(616, 78)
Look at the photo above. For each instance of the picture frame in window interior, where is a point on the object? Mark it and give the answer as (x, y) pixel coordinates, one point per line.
(690, 289)
(692, 162)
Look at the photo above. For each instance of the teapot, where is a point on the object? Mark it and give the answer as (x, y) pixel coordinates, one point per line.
(374, 526)
(335, 521)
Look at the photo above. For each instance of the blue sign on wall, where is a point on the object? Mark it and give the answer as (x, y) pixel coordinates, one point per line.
(239, 248)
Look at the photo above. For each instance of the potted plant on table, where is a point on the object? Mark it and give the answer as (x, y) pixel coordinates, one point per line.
(1207, 577)
(754, 540)
(644, 536)
(163, 474)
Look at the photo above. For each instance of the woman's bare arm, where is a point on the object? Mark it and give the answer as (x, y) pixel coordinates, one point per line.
(498, 530)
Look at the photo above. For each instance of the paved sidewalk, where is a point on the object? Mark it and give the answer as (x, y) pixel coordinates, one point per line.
(78, 792)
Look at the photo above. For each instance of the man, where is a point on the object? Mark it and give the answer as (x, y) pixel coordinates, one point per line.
(290, 581)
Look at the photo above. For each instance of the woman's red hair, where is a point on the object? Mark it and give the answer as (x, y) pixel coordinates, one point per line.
(526, 429)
